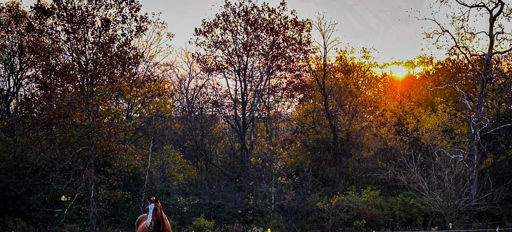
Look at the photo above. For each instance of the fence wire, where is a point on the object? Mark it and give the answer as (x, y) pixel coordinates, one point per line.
(497, 229)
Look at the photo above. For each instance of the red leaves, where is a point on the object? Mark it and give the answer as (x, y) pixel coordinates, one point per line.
(255, 49)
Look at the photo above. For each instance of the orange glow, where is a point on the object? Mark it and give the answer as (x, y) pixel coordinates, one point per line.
(399, 71)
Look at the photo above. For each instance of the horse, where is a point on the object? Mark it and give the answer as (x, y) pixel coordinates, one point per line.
(155, 220)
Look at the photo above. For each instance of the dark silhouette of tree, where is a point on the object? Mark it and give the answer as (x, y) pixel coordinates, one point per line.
(254, 52)
(15, 60)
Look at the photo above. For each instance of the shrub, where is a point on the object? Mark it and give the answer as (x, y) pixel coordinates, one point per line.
(201, 224)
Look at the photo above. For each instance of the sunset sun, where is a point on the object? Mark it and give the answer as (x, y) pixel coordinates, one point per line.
(396, 71)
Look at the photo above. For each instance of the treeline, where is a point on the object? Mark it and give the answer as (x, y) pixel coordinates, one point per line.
(266, 121)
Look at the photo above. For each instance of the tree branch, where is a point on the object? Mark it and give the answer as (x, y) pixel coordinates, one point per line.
(497, 128)
(467, 54)
(502, 52)
(478, 5)
(464, 97)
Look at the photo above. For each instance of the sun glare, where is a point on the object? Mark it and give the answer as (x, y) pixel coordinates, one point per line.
(396, 71)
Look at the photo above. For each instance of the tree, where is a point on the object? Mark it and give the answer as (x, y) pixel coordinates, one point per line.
(193, 111)
(146, 89)
(254, 51)
(439, 180)
(324, 78)
(480, 48)
(14, 60)
(91, 80)
(15, 66)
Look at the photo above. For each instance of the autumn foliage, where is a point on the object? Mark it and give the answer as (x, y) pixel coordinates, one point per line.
(259, 124)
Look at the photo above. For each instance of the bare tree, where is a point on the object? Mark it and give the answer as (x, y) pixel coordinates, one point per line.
(322, 71)
(479, 46)
(190, 84)
(441, 181)
(192, 96)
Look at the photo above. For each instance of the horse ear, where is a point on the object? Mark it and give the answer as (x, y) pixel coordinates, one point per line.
(152, 199)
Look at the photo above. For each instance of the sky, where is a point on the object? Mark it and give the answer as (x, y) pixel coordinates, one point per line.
(388, 26)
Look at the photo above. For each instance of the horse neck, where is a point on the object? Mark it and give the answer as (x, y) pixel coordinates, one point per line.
(159, 218)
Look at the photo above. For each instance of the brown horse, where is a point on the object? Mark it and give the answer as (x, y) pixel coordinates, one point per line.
(155, 220)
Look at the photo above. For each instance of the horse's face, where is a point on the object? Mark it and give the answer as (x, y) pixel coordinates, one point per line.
(153, 211)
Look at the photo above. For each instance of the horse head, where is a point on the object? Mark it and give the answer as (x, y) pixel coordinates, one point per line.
(154, 213)
(155, 220)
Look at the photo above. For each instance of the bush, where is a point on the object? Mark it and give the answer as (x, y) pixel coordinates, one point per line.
(353, 209)
(202, 225)
(364, 210)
